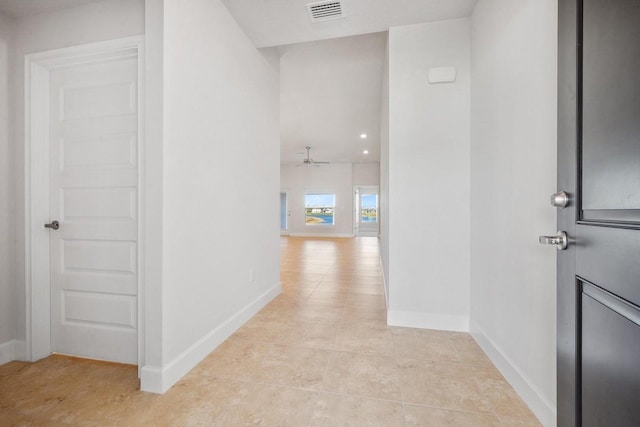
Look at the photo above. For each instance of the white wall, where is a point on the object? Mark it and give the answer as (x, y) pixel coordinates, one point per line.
(428, 162)
(383, 213)
(151, 269)
(366, 174)
(513, 171)
(109, 19)
(220, 184)
(333, 178)
(7, 235)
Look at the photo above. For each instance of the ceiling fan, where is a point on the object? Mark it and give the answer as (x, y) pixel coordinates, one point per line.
(308, 161)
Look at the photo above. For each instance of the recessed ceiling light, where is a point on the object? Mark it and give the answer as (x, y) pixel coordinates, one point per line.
(365, 152)
(363, 135)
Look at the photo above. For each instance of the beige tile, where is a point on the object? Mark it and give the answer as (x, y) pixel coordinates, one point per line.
(292, 366)
(322, 296)
(262, 330)
(359, 279)
(258, 404)
(283, 314)
(309, 334)
(503, 399)
(10, 418)
(269, 363)
(358, 314)
(515, 422)
(365, 337)
(359, 288)
(236, 358)
(334, 286)
(421, 416)
(194, 401)
(323, 313)
(439, 345)
(366, 301)
(441, 385)
(365, 375)
(339, 410)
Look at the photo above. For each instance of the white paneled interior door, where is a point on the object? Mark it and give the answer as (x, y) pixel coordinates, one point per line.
(93, 177)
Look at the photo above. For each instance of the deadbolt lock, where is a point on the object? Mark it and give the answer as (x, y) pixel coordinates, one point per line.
(560, 199)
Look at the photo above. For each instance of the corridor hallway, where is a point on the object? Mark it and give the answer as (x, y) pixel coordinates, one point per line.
(320, 354)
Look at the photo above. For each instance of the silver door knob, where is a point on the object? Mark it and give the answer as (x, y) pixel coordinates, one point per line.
(560, 199)
(54, 225)
(560, 240)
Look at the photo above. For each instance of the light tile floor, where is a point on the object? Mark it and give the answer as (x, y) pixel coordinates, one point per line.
(320, 354)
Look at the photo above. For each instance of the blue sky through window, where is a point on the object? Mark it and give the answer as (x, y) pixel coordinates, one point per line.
(369, 201)
(319, 200)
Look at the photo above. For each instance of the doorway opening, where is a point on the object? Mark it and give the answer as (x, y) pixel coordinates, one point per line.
(285, 213)
(366, 218)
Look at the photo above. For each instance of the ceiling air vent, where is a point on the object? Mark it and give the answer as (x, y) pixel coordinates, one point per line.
(325, 10)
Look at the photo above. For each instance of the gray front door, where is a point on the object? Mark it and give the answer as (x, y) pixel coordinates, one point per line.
(599, 166)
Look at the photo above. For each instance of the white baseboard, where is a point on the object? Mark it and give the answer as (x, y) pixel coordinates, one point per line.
(539, 405)
(367, 234)
(156, 379)
(412, 319)
(20, 350)
(7, 351)
(321, 234)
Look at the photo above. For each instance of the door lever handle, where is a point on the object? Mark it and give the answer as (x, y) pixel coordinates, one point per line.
(560, 240)
(54, 225)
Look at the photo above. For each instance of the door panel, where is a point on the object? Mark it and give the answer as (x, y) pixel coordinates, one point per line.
(610, 368)
(94, 196)
(610, 257)
(599, 165)
(610, 108)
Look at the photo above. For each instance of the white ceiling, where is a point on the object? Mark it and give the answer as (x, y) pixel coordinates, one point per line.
(280, 22)
(330, 93)
(18, 8)
(331, 84)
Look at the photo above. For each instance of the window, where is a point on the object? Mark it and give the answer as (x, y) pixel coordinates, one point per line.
(320, 209)
(369, 208)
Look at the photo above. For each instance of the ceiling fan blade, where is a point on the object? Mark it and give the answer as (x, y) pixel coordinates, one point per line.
(322, 163)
